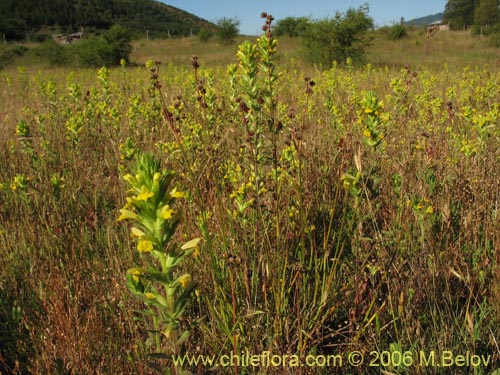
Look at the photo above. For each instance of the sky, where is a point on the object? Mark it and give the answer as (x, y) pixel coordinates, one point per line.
(383, 12)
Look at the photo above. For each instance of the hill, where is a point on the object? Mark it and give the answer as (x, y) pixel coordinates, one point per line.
(426, 20)
(19, 18)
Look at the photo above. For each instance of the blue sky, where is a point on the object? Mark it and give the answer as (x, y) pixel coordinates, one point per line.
(383, 12)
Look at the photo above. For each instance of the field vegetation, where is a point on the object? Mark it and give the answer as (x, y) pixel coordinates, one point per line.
(298, 209)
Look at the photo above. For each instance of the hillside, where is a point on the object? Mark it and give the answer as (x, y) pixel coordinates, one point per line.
(21, 17)
(426, 20)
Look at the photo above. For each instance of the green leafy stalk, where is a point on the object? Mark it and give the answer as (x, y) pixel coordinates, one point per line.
(151, 208)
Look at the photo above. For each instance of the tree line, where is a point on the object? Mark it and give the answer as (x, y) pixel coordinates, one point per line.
(21, 17)
(482, 15)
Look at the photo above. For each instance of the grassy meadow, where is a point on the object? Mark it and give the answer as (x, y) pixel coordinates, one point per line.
(352, 209)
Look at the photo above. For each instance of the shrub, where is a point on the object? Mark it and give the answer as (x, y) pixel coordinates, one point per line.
(8, 54)
(291, 26)
(229, 28)
(51, 52)
(106, 50)
(398, 32)
(205, 35)
(338, 38)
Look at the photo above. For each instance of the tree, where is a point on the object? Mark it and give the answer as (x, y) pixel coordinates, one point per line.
(338, 38)
(228, 29)
(460, 13)
(487, 14)
(291, 26)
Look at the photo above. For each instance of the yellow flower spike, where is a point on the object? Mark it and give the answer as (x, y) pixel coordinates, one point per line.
(184, 280)
(145, 246)
(166, 212)
(127, 214)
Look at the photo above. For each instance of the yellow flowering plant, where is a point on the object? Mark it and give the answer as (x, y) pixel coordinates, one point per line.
(166, 292)
(373, 133)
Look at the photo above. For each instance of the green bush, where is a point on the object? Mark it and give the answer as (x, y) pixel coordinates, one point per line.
(228, 29)
(291, 26)
(205, 35)
(105, 50)
(338, 39)
(9, 53)
(51, 52)
(398, 32)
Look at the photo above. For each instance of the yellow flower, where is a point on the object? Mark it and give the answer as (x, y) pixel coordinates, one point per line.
(127, 214)
(367, 133)
(136, 274)
(129, 178)
(166, 212)
(429, 210)
(145, 246)
(156, 177)
(184, 280)
(193, 245)
(149, 295)
(136, 232)
(177, 194)
(145, 195)
(167, 332)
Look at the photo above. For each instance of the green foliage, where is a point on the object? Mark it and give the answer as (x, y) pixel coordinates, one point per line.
(205, 35)
(19, 17)
(494, 38)
(158, 284)
(105, 50)
(487, 16)
(7, 54)
(228, 29)
(52, 52)
(338, 38)
(460, 13)
(398, 32)
(291, 26)
(13, 28)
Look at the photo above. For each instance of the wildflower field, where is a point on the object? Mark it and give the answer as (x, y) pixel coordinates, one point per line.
(254, 206)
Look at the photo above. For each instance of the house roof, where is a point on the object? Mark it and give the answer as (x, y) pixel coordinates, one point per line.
(436, 23)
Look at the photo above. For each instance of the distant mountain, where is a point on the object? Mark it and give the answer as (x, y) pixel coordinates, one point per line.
(20, 17)
(426, 20)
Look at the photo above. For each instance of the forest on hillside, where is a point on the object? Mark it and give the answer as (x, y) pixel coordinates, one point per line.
(21, 17)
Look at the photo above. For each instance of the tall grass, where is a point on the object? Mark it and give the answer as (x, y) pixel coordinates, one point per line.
(349, 209)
